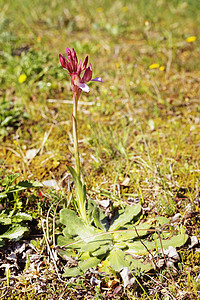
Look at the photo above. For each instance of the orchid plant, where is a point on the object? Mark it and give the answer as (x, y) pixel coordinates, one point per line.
(79, 84)
(92, 237)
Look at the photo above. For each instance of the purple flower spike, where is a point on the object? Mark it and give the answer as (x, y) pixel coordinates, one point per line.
(75, 69)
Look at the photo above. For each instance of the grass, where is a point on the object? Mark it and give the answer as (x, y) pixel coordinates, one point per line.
(141, 123)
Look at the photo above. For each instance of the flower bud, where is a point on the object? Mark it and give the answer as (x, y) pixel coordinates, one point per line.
(84, 64)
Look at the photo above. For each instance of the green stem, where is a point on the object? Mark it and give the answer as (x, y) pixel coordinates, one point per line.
(79, 187)
(75, 135)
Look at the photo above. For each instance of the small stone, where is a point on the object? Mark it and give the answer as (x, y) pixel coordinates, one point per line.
(176, 218)
(104, 203)
(52, 183)
(172, 254)
(194, 241)
(94, 281)
(31, 153)
(127, 277)
(160, 263)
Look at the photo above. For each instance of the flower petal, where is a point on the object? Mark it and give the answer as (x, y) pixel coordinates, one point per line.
(79, 67)
(87, 75)
(99, 79)
(63, 61)
(75, 60)
(84, 87)
(71, 60)
(85, 62)
(65, 64)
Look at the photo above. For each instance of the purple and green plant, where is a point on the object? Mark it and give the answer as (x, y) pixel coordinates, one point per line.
(75, 69)
(92, 236)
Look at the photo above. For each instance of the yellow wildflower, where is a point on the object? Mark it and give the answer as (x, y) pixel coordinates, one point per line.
(99, 9)
(154, 66)
(124, 8)
(162, 68)
(22, 78)
(191, 39)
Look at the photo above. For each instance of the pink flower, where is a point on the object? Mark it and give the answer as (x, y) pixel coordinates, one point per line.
(75, 69)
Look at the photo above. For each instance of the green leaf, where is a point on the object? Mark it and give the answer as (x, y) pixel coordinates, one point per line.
(72, 272)
(14, 233)
(80, 191)
(82, 267)
(126, 235)
(92, 246)
(96, 214)
(2, 242)
(23, 185)
(162, 220)
(121, 245)
(175, 241)
(138, 264)
(66, 254)
(138, 248)
(19, 217)
(8, 180)
(102, 250)
(84, 256)
(63, 241)
(117, 259)
(69, 218)
(129, 213)
(89, 263)
(76, 225)
(5, 219)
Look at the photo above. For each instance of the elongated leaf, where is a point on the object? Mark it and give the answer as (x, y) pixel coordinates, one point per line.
(96, 214)
(139, 248)
(80, 191)
(14, 233)
(23, 185)
(82, 267)
(70, 243)
(84, 256)
(72, 272)
(74, 174)
(19, 217)
(102, 250)
(130, 234)
(162, 220)
(92, 246)
(129, 213)
(175, 241)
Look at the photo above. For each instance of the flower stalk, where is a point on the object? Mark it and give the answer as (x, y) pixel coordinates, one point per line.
(75, 135)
